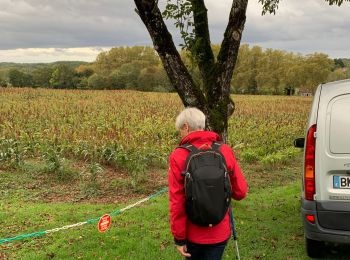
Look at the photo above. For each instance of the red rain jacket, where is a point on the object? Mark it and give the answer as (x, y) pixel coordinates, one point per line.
(181, 227)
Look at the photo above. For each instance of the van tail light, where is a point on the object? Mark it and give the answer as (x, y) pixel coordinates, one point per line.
(310, 218)
(309, 171)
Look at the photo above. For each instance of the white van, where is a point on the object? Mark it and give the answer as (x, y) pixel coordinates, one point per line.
(326, 181)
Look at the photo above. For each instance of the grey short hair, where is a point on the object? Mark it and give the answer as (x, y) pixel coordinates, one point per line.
(193, 117)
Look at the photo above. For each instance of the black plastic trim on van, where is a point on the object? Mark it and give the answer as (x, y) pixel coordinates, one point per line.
(333, 205)
(334, 215)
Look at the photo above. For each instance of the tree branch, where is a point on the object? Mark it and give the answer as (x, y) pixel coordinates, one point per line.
(201, 48)
(177, 72)
(227, 56)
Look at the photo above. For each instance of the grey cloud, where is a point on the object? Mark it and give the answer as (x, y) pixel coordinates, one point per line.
(299, 25)
(69, 24)
(302, 26)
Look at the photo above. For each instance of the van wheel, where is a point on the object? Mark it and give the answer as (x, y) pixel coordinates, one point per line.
(314, 248)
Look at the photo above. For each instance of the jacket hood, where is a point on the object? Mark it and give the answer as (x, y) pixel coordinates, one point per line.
(201, 136)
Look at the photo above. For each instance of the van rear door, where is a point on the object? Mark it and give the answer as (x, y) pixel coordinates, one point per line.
(332, 157)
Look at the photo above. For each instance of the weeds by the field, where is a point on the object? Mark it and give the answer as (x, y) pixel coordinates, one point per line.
(110, 148)
(268, 221)
(134, 131)
(90, 183)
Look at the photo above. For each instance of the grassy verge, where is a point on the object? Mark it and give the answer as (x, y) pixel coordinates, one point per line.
(268, 222)
(268, 226)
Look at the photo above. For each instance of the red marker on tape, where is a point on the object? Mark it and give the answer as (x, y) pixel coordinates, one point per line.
(104, 223)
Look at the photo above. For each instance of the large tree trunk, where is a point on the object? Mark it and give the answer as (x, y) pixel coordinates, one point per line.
(220, 104)
(177, 72)
(214, 100)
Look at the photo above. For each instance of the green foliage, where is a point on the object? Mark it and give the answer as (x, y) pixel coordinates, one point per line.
(337, 2)
(82, 83)
(279, 158)
(106, 62)
(57, 166)
(339, 74)
(338, 63)
(270, 70)
(270, 6)
(192, 66)
(3, 82)
(278, 72)
(42, 76)
(19, 79)
(91, 185)
(125, 77)
(247, 68)
(181, 12)
(31, 67)
(84, 71)
(135, 161)
(346, 62)
(11, 152)
(256, 72)
(269, 216)
(153, 79)
(249, 155)
(317, 69)
(97, 81)
(133, 131)
(39, 74)
(129, 68)
(63, 76)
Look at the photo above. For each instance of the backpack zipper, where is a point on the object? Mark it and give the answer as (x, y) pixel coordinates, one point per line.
(188, 163)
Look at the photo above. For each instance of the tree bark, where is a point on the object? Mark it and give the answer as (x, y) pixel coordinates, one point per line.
(215, 100)
(227, 56)
(221, 106)
(177, 72)
(201, 48)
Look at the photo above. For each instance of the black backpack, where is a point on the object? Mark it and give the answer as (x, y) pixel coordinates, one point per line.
(207, 185)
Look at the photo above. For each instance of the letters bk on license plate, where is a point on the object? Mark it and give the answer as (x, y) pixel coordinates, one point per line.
(341, 182)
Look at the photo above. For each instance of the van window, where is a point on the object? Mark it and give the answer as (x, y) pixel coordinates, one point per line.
(339, 138)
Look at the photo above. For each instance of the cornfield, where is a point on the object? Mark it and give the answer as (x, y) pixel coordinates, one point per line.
(135, 130)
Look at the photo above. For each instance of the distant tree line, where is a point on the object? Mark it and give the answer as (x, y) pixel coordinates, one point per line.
(279, 72)
(257, 71)
(135, 67)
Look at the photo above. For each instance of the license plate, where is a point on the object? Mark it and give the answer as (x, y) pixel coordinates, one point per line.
(341, 182)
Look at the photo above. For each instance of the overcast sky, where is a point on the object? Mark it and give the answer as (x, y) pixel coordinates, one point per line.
(50, 30)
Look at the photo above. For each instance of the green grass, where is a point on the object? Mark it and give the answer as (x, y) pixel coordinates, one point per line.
(268, 225)
(268, 222)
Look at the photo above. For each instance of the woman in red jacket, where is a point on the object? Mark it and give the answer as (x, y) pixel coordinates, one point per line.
(193, 241)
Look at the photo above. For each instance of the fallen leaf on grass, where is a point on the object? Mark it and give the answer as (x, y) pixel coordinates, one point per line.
(163, 245)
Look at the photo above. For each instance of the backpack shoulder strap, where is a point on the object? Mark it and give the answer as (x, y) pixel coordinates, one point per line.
(189, 147)
(216, 146)
(192, 149)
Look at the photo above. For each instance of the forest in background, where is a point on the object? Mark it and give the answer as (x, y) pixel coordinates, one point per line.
(258, 71)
